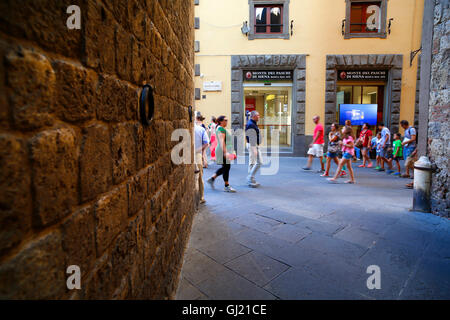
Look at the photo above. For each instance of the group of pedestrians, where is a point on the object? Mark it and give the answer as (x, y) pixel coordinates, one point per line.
(341, 150)
(342, 145)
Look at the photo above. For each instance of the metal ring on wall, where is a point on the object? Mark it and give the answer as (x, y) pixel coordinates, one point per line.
(146, 105)
(190, 113)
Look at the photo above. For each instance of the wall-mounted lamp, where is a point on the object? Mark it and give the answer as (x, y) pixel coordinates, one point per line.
(245, 28)
(343, 27)
(146, 105)
(389, 25)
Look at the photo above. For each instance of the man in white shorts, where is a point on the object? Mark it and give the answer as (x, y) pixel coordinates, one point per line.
(316, 147)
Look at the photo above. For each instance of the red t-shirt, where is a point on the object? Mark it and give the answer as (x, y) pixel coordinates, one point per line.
(318, 128)
(364, 137)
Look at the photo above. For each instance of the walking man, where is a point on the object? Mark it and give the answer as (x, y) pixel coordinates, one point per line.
(316, 147)
(201, 142)
(253, 140)
(385, 148)
(409, 143)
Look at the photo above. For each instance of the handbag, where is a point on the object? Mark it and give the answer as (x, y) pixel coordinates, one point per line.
(359, 143)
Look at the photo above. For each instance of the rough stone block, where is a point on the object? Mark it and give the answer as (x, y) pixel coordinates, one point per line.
(301, 96)
(301, 74)
(30, 82)
(348, 60)
(330, 86)
(330, 108)
(364, 59)
(36, 272)
(99, 34)
(15, 197)
(111, 217)
(396, 95)
(330, 96)
(43, 22)
(54, 155)
(123, 152)
(137, 191)
(301, 107)
(124, 53)
(78, 239)
(75, 91)
(331, 75)
(330, 62)
(95, 168)
(396, 74)
(396, 85)
(301, 86)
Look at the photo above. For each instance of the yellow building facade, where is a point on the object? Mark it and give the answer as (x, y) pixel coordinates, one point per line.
(293, 59)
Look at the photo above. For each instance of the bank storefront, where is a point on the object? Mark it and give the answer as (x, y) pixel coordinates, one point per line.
(273, 85)
(363, 88)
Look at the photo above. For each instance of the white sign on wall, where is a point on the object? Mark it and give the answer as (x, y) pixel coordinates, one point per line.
(212, 86)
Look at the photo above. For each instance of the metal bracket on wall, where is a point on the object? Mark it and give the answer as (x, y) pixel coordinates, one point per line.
(292, 27)
(146, 105)
(389, 25)
(245, 29)
(190, 113)
(343, 27)
(413, 55)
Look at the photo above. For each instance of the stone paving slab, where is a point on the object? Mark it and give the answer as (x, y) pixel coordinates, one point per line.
(256, 267)
(299, 237)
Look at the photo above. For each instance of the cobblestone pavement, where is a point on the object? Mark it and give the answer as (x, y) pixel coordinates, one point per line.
(298, 236)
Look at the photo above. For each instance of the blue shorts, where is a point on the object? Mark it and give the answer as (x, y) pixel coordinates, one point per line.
(347, 155)
(331, 154)
(407, 151)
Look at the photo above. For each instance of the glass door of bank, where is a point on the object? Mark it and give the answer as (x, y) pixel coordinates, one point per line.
(274, 104)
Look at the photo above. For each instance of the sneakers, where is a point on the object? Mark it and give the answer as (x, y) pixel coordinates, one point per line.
(343, 173)
(210, 181)
(370, 165)
(389, 171)
(397, 174)
(377, 168)
(228, 189)
(306, 168)
(380, 169)
(325, 174)
(253, 184)
(361, 166)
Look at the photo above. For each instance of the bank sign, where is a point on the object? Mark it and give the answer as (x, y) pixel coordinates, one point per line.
(366, 75)
(267, 75)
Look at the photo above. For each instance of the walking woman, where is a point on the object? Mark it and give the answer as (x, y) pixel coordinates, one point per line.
(348, 150)
(212, 138)
(223, 154)
(333, 147)
(365, 137)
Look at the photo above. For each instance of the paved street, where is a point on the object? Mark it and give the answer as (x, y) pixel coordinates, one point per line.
(298, 236)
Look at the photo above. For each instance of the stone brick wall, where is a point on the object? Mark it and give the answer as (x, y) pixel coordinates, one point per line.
(439, 114)
(82, 181)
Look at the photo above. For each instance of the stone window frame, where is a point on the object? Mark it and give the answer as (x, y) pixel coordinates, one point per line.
(284, 35)
(391, 62)
(382, 34)
(297, 63)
